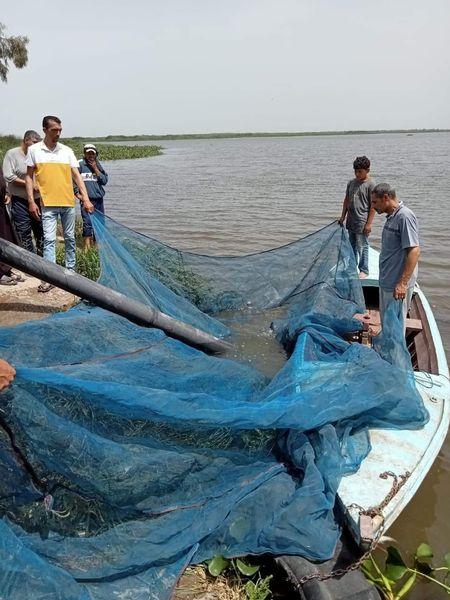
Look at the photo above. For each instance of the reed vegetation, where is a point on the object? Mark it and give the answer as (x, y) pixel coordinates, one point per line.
(107, 151)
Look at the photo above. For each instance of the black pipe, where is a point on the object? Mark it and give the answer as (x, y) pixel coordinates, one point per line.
(102, 296)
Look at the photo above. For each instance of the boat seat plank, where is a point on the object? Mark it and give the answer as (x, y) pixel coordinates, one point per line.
(413, 325)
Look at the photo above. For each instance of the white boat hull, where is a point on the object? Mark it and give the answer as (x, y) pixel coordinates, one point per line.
(400, 451)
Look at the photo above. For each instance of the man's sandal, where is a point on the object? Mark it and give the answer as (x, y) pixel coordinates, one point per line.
(45, 287)
(6, 280)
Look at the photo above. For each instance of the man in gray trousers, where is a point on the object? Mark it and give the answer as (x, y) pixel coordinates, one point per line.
(400, 249)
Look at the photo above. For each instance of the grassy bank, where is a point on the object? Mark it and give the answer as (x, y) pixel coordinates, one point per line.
(88, 260)
(106, 151)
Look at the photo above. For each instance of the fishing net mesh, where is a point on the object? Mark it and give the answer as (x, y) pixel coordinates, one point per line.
(126, 455)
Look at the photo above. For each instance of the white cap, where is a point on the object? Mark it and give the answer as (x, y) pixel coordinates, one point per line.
(90, 148)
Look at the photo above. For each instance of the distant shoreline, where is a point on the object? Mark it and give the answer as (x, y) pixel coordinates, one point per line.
(230, 135)
(110, 151)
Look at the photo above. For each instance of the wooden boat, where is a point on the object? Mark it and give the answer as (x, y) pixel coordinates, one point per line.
(407, 454)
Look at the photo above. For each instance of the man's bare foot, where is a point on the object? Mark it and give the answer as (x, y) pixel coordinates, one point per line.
(362, 275)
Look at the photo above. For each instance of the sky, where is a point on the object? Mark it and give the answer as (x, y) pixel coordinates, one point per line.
(198, 66)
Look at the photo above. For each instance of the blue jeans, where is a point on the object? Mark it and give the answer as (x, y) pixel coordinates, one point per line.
(87, 223)
(49, 222)
(360, 245)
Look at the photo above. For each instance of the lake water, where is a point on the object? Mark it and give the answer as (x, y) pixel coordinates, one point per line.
(237, 196)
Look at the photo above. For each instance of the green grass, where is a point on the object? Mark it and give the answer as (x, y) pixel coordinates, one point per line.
(258, 590)
(7, 142)
(106, 151)
(87, 260)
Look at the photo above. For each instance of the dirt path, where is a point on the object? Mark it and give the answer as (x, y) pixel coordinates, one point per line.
(23, 302)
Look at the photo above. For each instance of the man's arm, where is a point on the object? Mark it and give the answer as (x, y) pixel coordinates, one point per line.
(33, 208)
(7, 374)
(99, 171)
(412, 258)
(82, 192)
(344, 210)
(102, 175)
(8, 171)
(368, 225)
(10, 174)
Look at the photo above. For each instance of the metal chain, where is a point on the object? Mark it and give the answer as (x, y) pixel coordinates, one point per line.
(399, 481)
(396, 485)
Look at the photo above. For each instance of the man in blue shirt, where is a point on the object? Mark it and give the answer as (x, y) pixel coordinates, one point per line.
(95, 178)
(400, 249)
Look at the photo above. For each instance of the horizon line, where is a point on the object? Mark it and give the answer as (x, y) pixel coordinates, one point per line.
(237, 134)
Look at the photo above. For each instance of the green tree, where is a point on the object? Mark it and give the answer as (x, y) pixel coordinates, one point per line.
(12, 49)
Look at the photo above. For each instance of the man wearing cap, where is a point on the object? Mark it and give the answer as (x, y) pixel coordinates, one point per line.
(55, 167)
(400, 250)
(14, 171)
(95, 178)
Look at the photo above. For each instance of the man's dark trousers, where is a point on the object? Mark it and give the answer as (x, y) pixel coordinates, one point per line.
(24, 225)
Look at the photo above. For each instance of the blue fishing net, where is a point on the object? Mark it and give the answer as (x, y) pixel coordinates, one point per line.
(126, 455)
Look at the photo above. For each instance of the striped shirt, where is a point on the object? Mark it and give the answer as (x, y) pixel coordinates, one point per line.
(53, 173)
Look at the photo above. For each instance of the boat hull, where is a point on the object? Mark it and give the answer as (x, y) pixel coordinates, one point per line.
(408, 454)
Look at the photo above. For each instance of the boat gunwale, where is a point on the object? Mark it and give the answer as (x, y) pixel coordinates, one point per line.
(440, 386)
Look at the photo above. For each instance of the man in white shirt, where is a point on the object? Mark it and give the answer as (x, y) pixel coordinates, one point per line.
(54, 166)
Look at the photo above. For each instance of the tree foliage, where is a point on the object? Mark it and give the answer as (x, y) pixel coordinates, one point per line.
(12, 49)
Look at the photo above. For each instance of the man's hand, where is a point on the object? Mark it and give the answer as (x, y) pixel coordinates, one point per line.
(7, 374)
(34, 211)
(92, 162)
(7, 199)
(400, 291)
(341, 221)
(367, 229)
(87, 205)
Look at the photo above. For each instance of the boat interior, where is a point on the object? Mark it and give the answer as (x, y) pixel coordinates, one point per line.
(418, 335)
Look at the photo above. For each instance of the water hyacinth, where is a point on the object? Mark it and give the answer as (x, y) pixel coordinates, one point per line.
(115, 152)
(106, 151)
